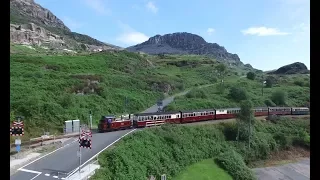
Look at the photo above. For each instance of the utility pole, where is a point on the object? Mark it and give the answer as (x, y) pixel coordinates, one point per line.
(249, 131)
(125, 104)
(90, 116)
(263, 82)
(80, 151)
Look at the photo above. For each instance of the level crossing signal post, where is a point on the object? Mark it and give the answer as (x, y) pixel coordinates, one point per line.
(17, 130)
(84, 142)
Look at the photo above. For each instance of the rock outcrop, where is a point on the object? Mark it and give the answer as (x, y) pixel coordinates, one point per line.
(184, 43)
(294, 68)
(32, 24)
(32, 34)
(29, 10)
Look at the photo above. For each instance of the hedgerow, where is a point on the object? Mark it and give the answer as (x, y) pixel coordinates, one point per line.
(233, 163)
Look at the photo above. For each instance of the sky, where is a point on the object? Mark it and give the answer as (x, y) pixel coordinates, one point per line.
(264, 33)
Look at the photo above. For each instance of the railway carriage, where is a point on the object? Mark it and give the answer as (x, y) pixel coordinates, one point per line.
(156, 118)
(197, 115)
(261, 111)
(300, 111)
(279, 111)
(221, 113)
(227, 113)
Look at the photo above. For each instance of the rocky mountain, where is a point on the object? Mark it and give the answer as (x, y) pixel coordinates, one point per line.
(32, 24)
(294, 68)
(184, 43)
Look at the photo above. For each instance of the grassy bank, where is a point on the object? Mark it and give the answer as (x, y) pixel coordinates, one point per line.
(203, 170)
(172, 148)
(295, 90)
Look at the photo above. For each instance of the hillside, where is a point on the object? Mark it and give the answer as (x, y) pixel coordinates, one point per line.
(34, 25)
(185, 43)
(48, 89)
(294, 68)
(294, 90)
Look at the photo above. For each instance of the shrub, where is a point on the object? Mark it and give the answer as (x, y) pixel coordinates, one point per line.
(238, 94)
(279, 97)
(233, 163)
(270, 81)
(269, 103)
(298, 83)
(251, 75)
(284, 141)
(197, 93)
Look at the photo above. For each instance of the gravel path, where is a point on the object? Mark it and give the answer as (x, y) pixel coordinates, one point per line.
(292, 171)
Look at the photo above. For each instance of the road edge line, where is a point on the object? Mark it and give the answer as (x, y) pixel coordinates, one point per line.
(73, 171)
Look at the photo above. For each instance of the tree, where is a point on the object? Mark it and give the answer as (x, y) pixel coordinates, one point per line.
(251, 75)
(270, 81)
(221, 68)
(279, 97)
(245, 120)
(238, 94)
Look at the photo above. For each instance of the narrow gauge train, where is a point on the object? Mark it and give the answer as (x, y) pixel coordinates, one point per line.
(110, 123)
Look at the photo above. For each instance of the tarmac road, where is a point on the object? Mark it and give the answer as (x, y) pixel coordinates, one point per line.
(60, 163)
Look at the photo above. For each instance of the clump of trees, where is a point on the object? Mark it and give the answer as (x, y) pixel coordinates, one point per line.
(279, 97)
(238, 94)
(251, 75)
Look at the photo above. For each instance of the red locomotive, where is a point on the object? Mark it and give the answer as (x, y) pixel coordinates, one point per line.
(109, 123)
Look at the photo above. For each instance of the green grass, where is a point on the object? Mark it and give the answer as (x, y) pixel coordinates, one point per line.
(218, 97)
(204, 170)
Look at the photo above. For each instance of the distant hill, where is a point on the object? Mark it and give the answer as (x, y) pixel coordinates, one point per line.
(294, 68)
(32, 24)
(185, 43)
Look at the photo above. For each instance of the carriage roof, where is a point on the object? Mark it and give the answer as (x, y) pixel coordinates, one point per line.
(201, 110)
(279, 107)
(108, 116)
(260, 107)
(156, 113)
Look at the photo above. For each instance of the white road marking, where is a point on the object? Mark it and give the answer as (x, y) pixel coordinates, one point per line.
(63, 178)
(47, 174)
(30, 171)
(46, 155)
(35, 176)
(72, 172)
(55, 176)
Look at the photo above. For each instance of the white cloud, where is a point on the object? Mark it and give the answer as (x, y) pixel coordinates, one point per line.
(72, 24)
(263, 31)
(210, 31)
(152, 7)
(132, 38)
(98, 6)
(129, 36)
